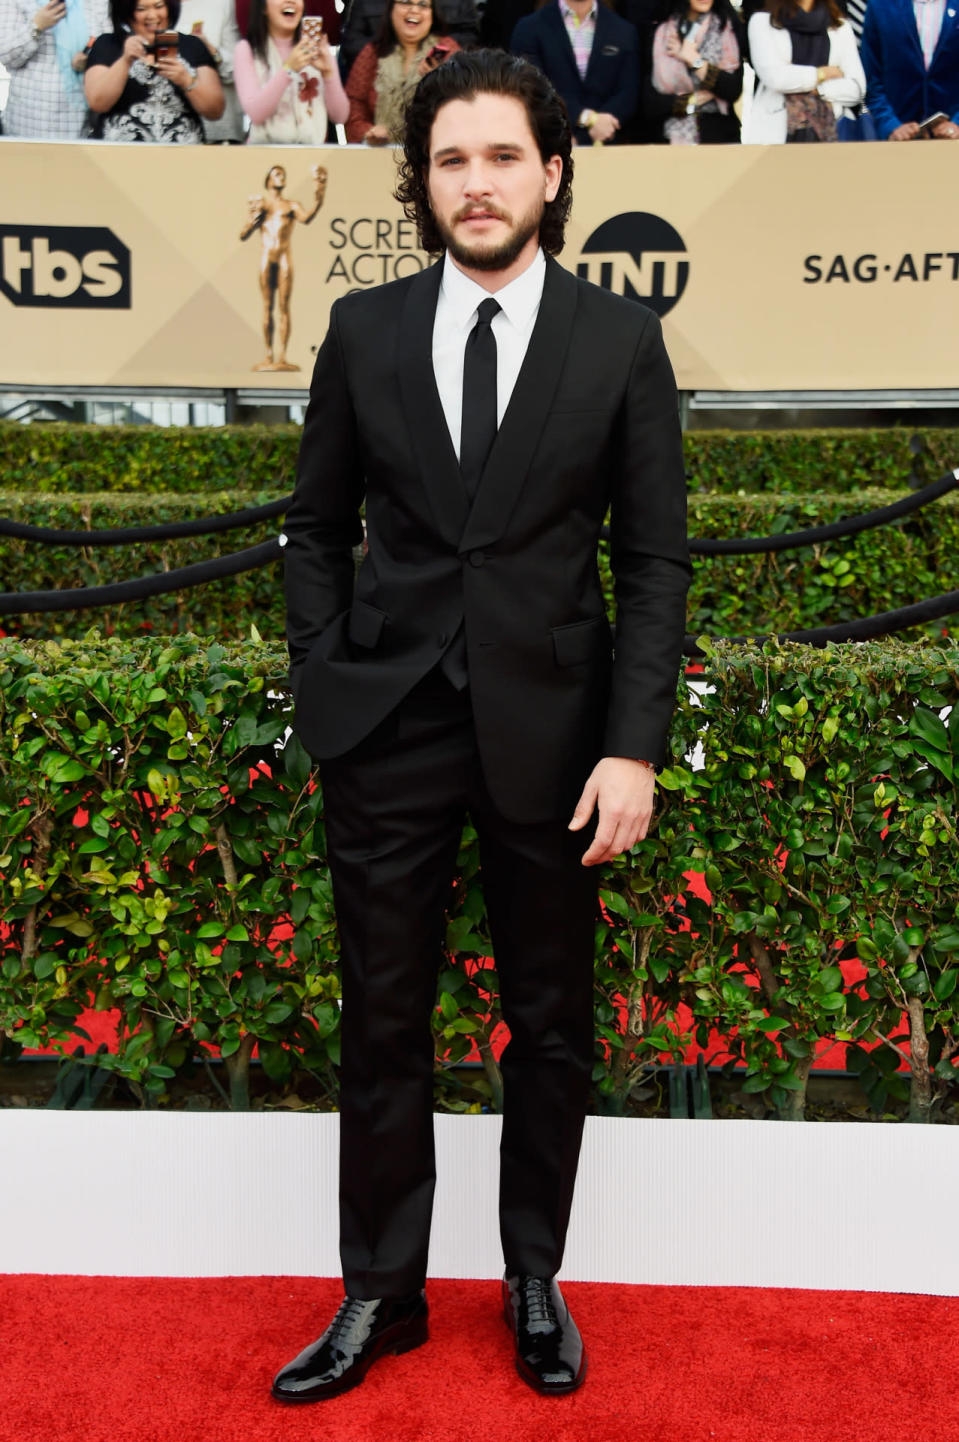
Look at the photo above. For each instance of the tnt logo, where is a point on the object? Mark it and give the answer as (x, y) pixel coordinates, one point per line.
(638, 256)
(75, 267)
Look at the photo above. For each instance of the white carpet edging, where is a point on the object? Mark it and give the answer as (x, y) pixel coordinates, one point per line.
(674, 1202)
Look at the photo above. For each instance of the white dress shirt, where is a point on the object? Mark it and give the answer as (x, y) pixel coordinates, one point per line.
(456, 308)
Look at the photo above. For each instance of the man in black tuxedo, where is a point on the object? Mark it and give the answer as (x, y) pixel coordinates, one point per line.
(490, 411)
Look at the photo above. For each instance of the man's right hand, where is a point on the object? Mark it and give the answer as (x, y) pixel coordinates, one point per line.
(909, 131)
(48, 15)
(603, 128)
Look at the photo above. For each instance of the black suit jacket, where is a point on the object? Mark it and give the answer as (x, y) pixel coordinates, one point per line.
(611, 82)
(592, 425)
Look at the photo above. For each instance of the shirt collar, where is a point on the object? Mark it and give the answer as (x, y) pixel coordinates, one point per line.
(569, 14)
(518, 300)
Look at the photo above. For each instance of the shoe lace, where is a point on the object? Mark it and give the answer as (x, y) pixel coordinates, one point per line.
(347, 1317)
(538, 1301)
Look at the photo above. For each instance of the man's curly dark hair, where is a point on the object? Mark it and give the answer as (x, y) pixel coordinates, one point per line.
(484, 72)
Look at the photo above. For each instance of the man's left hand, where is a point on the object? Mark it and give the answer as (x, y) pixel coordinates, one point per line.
(623, 790)
(946, 130)
(603, 128)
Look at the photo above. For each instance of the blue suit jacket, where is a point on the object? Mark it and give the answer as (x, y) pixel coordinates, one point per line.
(899, 86)
(611, 82)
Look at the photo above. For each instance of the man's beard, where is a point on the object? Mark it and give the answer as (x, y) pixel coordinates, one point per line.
(477, 255)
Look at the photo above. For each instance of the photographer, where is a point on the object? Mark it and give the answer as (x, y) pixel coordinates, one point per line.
(144, 82)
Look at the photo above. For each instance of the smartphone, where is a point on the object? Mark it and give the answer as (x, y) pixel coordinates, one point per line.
(313, 28)
(167, 42)
(930, 123)
(438, 53)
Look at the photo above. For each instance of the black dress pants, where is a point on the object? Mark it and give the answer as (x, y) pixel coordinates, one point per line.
(395, 808)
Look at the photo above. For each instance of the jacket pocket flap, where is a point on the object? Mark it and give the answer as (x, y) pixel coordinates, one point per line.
(366, 624)
(579, 641)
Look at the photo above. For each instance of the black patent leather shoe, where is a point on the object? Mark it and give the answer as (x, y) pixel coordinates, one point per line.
(359, 1334)
(549, 1350)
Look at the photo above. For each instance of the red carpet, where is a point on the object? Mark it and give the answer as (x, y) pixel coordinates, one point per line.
(160, 1360)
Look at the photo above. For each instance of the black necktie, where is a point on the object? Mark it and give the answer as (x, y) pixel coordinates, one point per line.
(479, 396)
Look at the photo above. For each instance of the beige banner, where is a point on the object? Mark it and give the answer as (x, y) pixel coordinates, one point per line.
(779, 268)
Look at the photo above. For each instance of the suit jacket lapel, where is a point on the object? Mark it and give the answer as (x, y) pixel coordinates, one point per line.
(556, 22)
(519, 435)
(911, 28)
(429, 433)
(599, 37)
(948, 22)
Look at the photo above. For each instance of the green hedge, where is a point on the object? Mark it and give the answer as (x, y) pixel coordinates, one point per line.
(186, 459)
(69, 458)
(162, 852)
(736, 595)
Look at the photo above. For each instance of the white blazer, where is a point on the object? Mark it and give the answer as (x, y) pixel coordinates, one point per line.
(770, 52)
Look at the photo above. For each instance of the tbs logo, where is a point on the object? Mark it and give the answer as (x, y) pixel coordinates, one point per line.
(639, 256)
(64, 266)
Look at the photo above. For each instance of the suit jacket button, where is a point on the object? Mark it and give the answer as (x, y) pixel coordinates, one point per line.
(477, 558)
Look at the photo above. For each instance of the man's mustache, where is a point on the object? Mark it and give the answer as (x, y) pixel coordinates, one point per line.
(470, 210)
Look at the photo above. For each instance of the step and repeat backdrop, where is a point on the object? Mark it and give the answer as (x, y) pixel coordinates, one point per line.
(779, 268)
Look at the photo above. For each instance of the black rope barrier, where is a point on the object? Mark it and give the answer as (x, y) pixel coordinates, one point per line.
(728, 546)
(849, 526)
(79, 598)
(125, 535)
(866, 628)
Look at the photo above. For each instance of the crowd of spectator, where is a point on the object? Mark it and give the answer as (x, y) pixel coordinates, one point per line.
(629, 71)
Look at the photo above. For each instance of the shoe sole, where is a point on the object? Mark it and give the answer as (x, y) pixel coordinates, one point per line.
(561, 1389)
(412, 1337)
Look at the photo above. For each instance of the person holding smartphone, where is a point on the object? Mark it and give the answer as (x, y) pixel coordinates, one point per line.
(910, 53)
(43, 48)
(408, 44)
(146, 82)
(286, 76)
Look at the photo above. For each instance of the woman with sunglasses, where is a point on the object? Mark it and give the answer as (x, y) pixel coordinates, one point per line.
(389, 68)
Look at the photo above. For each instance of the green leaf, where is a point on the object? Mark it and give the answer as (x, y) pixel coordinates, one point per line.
(277, 1011)
(945, 984)
(176, 724)
(927, 725)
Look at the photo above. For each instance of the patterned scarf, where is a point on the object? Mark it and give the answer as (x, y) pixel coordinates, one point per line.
(300, 117)
(717, 45)
(394, 88)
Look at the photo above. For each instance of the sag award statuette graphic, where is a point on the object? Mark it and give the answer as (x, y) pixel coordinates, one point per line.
(274, 216)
